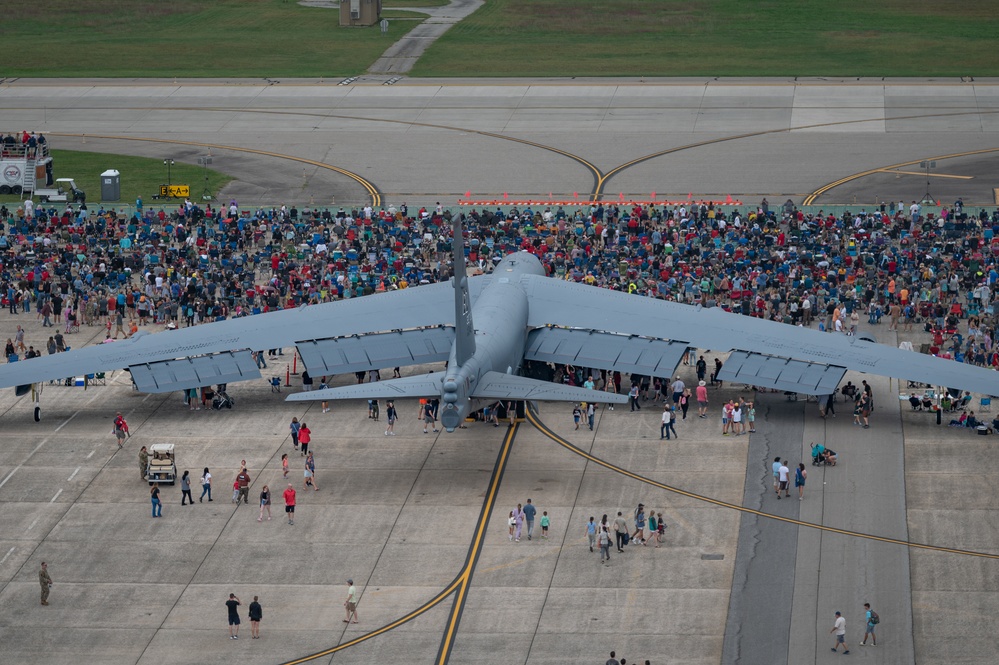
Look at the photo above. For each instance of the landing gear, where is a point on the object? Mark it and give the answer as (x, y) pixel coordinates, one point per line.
(36, 397)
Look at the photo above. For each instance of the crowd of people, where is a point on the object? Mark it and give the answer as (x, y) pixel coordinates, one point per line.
(186, 264)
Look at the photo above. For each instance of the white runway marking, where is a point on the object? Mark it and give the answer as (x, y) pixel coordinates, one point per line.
(90, 455)
(32, 525)
(4, 481)
(73, 475)
(66, 422)
(52, 500)
(5, 556)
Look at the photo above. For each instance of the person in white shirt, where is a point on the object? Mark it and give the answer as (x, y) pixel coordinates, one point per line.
(667, 423)
(839, 627)
(783, 474)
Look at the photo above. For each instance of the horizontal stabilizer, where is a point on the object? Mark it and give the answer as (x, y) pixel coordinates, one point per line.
(496, 385)
(423, 385)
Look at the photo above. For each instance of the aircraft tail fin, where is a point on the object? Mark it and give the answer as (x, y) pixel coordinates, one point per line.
(496, 385)
(423, 385)
(464, 331)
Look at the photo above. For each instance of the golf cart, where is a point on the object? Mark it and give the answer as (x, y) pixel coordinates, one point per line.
(162, 466)
(65, 190)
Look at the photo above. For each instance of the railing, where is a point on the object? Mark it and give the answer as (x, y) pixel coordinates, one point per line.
(21, 151)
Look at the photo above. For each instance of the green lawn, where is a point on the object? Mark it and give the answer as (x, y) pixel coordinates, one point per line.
(720, 38)
(280, 38)
(185, 38)
(139, 175)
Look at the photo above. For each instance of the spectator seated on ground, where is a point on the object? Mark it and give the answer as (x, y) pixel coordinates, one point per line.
(971, 421)
(914, 401)
(946, 404)
(960, 420)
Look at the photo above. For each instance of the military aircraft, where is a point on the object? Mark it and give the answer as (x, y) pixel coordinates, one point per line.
(485, 327)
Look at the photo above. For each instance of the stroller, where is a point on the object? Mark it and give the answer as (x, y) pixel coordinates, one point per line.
(222, 399)
(821, 455)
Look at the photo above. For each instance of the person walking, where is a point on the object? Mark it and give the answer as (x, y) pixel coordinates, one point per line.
(232, 606)
(530, 511)
(775, 470)
(545, 523)
(702, 399)
(605, 543)
(577, 413)
(45, 580)
(206, 485)
(294, 427)
(872, 620)
(284, 464)
(304, 438)
(685, 402)
(653, 527)
(391, 415)
(185, 489)
(243, 479)
(839, 627)
(783, 476)
(667, 420)
(633, 397)
(751, 417)
(119, 429)
(591, 532)
(518, 518)
(639, 535)
(310, 464)
(351, 603)
(289, 503)
(154, 495)
(591, 411)
(620, 531)
(265, 503)
(256, 613)
(143, 462)
(799, 479)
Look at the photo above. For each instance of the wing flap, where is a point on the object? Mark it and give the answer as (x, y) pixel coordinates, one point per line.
(496, 385)
(365, 352)
(424, 385)
(601, 350)
(194, 372)
(781, 373)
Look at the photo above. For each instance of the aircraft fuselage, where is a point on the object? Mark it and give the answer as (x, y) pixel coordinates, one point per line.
(501, 313)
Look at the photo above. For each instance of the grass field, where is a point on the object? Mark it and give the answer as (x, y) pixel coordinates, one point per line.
(186, 38)
(720, 38)
(280, 38)
(139, 175)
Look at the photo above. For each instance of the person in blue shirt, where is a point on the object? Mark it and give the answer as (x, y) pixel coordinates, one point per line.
(529, 512)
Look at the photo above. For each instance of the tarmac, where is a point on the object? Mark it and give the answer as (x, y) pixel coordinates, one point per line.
(419, 521)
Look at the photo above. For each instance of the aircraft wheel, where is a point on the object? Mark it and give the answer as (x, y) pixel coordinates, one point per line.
(38, 414)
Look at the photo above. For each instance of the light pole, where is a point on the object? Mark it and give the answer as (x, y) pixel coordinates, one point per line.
(927, 164)
(168, 163)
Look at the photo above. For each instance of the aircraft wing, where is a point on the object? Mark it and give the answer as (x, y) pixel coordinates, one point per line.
(608, 329)
(384, 330)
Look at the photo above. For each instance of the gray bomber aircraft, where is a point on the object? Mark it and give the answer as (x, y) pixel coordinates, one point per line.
(522, 315)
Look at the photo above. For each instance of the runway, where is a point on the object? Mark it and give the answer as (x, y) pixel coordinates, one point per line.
(427, 141)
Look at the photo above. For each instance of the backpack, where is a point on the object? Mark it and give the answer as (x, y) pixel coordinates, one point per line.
(875, 619)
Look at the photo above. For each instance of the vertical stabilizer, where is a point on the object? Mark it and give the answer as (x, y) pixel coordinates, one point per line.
(464, 331)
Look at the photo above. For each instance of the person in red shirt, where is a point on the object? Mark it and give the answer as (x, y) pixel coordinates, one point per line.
(289, 503)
